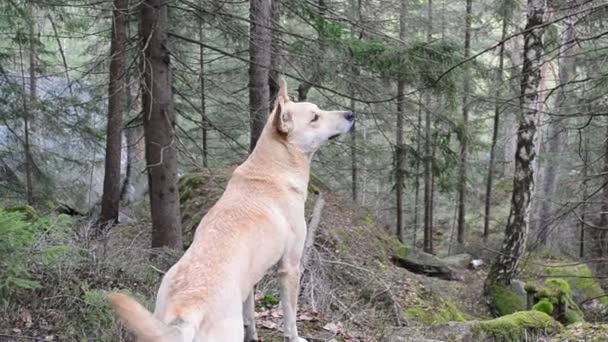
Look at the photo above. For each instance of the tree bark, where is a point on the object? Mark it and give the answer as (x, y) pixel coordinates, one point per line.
(585, 174)
(28, 110)
(462, 174)
(353, 153)
(204, 125)
(428, 191)
(110, 200)
(417, 175)
(275, 51)
(159, 126)
(428, 159)
(400, 148)
(497, 108)
(504, 267)
(259, 63)
(557, 133)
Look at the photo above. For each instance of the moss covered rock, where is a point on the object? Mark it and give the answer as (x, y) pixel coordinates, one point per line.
(544, 306)
(505, 300)
(448, 312)
(517, 326)
(557, 292)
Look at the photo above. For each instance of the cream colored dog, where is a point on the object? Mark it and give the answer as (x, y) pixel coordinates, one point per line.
(258, 222)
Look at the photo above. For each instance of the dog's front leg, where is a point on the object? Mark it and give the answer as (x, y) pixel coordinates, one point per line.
(289, 282)
(251, 333)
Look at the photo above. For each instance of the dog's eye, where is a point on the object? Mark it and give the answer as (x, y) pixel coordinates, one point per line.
(315, 118)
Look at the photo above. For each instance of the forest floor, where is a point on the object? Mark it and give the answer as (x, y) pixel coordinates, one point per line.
(351, 291)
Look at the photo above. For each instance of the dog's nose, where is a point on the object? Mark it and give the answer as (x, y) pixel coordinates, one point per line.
(350, 116)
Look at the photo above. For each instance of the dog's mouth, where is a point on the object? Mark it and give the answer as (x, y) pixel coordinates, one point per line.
(334, 136)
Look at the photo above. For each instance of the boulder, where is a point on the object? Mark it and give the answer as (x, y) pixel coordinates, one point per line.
(424, 263)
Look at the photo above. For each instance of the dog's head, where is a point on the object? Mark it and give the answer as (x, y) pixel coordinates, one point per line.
(305, 125)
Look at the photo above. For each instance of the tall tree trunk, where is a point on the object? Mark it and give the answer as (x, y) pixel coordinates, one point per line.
(599, 235)
(585, 172)
(259, 62)
(428, 192)
(428, 159)
(159, 126)
(204, 125)
(400, 148)
(356, 15)
(497, 108)
(110, 199)
(504, 267)
(462, 174)
(29, 110)
(275, 51)
(557, 134)
(417, 174)
(353, 153)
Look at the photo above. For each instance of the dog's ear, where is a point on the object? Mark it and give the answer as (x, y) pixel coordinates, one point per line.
(283, 120)
(283, 90)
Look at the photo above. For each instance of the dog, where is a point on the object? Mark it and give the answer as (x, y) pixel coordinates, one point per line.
(258, 222)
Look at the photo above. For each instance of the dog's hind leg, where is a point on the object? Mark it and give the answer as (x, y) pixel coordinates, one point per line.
(289, 282)
(251, 334)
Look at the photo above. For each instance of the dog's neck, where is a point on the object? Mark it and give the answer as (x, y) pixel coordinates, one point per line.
(273, 153)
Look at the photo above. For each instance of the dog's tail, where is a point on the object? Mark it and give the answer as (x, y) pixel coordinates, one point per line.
(138, 319)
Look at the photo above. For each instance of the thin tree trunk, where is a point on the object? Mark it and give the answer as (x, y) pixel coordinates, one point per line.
(504, 267)
(417, 179)
(259, 62)
(428, 159)
(29, 110)
(110, 199)
(204, 128)
(585, 171)
(400, 148)
(159, 126)
(275, 51)
(356, 14)
(428, 202)
(462, 174)
(557, 134)
(497, 107)
(353, 152)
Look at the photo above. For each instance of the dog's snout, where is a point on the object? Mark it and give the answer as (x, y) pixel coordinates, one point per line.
(350, 116)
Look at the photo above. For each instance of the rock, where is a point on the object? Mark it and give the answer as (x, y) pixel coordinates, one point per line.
(423, 263)
(519, 287)
(458, 260)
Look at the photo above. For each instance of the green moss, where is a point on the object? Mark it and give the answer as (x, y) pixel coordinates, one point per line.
(29, 213)
(556, 290)
(544, 306)
(574, 316)
(448, 312)
(518, 326)
(368, 218)
(580, 278)
(505, 300)
(270, 300)
(397, 247)
(559, 286)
